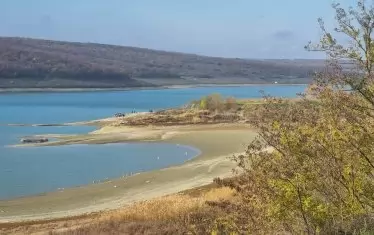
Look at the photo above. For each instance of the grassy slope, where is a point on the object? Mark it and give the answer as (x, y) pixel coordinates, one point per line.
(148, 216)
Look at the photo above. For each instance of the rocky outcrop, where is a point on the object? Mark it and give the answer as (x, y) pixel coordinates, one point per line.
(120, 115)
(33, 140)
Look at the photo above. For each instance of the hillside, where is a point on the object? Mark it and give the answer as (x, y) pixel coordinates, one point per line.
(34, 63)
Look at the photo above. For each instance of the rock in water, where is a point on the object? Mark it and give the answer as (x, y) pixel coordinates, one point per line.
(33, 140)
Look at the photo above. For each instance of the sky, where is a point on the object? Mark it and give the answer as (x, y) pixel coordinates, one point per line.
(262, 29)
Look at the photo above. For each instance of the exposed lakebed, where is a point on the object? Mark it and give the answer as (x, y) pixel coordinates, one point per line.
(33, 170)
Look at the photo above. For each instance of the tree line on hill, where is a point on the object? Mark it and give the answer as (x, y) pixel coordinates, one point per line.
(36, 63)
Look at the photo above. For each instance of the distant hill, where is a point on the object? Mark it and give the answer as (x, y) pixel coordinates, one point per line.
(34, 63)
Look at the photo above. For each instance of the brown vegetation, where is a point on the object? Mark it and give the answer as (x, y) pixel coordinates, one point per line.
(212, 109)
(168, 215)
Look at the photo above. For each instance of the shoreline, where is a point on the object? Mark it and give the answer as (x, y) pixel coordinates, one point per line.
(212, 162)
(46, 90)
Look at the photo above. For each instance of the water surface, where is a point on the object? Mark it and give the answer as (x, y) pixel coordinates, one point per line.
(28, 171)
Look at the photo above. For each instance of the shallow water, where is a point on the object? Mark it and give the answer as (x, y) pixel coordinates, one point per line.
(36, 170)
(27, 171)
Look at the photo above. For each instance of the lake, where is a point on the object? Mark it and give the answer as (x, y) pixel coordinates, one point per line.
(33, 170)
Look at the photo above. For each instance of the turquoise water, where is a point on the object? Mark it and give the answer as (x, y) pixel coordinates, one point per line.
(28, 171)
(31, 171)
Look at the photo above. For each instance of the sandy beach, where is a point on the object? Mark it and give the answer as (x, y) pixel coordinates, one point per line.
(217, 143)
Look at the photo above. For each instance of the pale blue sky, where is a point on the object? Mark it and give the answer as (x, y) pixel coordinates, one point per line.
(228, 28)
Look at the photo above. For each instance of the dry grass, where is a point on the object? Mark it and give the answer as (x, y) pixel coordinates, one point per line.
(184, 116)
(166, 215)
(157, 216)
(168, 207)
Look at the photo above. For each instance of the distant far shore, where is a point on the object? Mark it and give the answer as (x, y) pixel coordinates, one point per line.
(20, 90)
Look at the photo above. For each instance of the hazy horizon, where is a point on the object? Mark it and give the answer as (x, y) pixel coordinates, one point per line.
(251, 30)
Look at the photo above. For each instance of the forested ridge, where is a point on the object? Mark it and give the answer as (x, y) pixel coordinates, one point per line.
(26, 62)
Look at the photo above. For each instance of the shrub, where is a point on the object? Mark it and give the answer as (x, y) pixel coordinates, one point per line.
(311, 169)
(215, 103)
